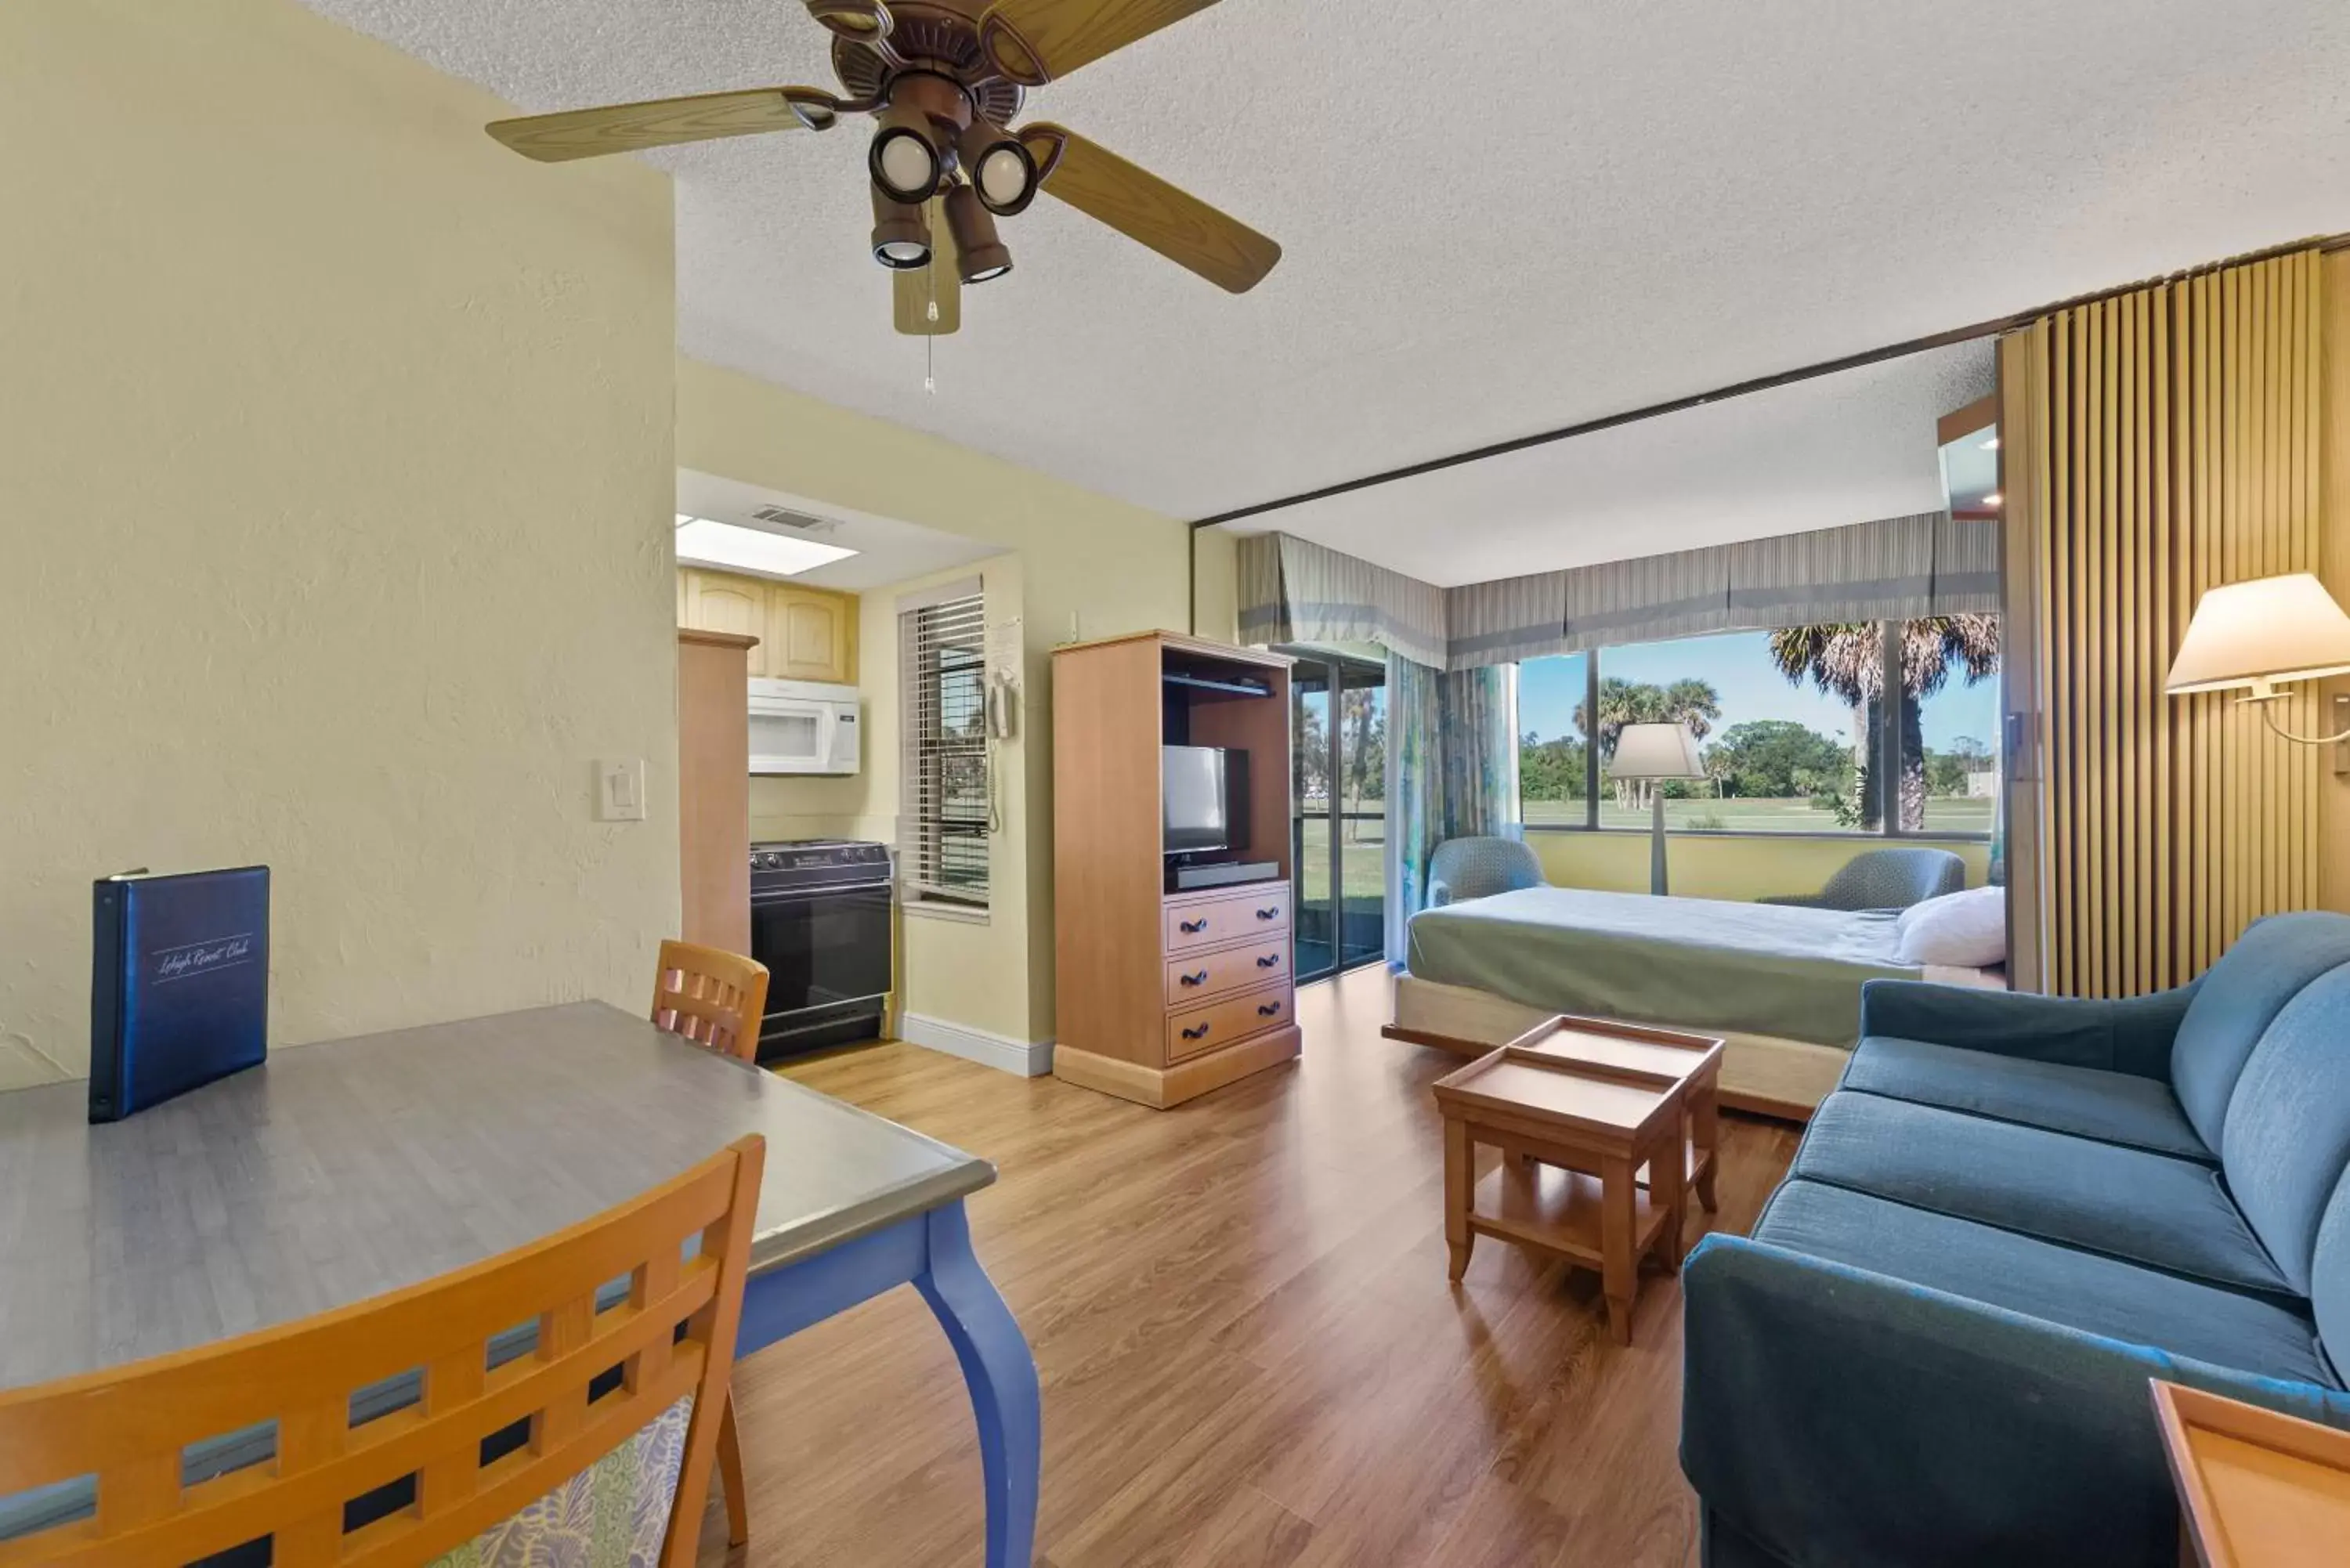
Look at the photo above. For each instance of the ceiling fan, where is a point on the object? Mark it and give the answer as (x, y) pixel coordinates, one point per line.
(943, 79)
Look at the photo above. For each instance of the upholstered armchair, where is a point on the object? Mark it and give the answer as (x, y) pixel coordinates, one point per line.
(1465, 868)
(1884, 879)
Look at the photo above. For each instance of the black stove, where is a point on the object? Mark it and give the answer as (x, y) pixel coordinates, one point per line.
(820, 921)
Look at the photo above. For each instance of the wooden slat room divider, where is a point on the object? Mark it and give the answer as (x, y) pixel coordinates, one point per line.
(2158, 442)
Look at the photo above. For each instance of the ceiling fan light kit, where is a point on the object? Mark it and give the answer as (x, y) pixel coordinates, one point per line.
(943, 80)
(901, 240)
(1001, 168)
(979, 255)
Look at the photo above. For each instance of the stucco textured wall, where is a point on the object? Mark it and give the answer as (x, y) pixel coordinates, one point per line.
(336, 479)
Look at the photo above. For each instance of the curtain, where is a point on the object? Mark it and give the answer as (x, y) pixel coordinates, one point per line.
(1452, 773)
(2156, 443)
(1415, 791)
(1479, 711)
(1503, 622)
(1895, 568)
(1293, 590)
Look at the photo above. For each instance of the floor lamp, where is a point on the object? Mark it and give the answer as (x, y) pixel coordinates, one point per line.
(1656, 753)
(2260, 635)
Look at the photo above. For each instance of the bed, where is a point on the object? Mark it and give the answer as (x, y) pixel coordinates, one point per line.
(1780, 984)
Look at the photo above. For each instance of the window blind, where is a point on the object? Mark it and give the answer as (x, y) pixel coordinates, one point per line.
(943, 810)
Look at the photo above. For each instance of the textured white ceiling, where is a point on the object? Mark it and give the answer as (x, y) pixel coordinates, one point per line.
(1846, 448)
(1499, 218)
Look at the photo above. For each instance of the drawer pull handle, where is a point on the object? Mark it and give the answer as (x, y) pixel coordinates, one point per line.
(1271, 914)
(1192, 928)
(1198, 979)
(1199, 1033)
(1269, 961)
(1268, 1010)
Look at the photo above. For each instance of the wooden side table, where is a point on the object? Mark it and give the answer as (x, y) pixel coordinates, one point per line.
(2256, 1489)
(1656, 1056)
(1597, 1127)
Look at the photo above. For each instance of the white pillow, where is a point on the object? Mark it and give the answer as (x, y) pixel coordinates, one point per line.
(1964, 931)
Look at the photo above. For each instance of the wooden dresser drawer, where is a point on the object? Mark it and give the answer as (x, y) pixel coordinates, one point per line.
(1260, 911)
(1219, 1024)
(1193, 979)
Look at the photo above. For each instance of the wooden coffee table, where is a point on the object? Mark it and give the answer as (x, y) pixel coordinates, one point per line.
(1576, 1131)
(2256, 1488)
(1657, 1055)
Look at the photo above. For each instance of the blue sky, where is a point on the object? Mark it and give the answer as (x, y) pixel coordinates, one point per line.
(1738, 665)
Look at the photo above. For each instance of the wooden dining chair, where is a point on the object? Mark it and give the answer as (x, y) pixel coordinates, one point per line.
(597, 1444)
(711, 997)
(718, 999)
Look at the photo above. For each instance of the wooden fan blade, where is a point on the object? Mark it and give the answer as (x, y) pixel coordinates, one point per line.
(665, 122)
(1141, 206)
(1037, 41)
(915, 290)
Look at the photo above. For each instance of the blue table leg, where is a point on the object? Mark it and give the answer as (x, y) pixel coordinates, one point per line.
(1002, 1376)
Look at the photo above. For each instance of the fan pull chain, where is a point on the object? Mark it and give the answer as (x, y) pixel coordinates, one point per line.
(930, 339)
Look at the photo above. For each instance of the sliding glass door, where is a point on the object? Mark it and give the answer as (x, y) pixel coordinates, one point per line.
(1338, 832)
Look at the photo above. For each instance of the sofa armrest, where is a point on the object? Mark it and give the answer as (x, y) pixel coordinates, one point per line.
(2129, 1037)
(1836, 1415)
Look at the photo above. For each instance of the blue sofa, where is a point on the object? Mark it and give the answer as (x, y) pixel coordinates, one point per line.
(1934, 1349)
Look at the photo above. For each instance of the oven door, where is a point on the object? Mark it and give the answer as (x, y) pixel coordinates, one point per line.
(822, 945)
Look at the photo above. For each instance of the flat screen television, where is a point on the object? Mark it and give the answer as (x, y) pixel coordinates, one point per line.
(1204, 792)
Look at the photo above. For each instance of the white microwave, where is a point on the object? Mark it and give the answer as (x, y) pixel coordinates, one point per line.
(803, 727)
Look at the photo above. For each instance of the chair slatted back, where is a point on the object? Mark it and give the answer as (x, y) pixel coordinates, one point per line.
(711, 997)
(127, 1426)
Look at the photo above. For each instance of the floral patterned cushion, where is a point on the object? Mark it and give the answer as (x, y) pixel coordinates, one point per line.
(613, 1514)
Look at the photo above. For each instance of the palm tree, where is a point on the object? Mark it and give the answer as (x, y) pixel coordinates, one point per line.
(1846, 659)
(1694, 703)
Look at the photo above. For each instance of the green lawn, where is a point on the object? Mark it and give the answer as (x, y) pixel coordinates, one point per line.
(1951, 814)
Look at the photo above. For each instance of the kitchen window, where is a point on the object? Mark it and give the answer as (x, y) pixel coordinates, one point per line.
(945, 787)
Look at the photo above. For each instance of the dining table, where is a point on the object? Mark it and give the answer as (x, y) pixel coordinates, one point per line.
(336, 1171)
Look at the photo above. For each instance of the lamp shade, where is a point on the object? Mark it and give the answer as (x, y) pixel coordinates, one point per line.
(2258, 633)
(1656, 752)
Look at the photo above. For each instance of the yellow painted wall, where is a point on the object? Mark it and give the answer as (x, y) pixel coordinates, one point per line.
(1085, 566)
(336, 487)
(1718, 866)
(1216, 561)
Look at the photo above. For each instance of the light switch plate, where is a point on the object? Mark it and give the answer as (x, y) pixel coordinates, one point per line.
(621, 790)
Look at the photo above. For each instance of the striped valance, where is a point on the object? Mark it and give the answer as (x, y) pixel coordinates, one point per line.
(1500, 623)
(1293, 590)
(1897, 568)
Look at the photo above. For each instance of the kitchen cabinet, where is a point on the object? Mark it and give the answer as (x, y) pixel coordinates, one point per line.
(805, 634)
(809, 634)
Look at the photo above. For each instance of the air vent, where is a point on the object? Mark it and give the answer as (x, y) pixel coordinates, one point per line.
(798, 522)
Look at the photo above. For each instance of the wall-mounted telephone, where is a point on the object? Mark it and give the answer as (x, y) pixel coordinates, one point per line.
(1000, 690)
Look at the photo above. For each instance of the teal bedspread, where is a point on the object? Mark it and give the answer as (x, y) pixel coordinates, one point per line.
(1763, 969)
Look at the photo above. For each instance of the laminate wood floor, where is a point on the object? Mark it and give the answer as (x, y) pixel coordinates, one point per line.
(1249, 1352)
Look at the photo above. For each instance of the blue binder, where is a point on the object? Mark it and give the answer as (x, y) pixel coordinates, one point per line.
(179, 990)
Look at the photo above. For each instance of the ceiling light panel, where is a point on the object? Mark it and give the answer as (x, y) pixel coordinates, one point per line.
(705, 542)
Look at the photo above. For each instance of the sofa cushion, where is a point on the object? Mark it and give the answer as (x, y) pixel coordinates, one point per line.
(2329, 1279)
(2146, 1208)
(2087, 1101)
(2062, 1285)
(2238, 997)
(2288, 1132)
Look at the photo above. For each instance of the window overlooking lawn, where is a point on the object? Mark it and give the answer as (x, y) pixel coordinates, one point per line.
(1553, 784)
(1791, 726)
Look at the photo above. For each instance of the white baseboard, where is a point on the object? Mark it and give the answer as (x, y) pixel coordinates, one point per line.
(1025, 1058)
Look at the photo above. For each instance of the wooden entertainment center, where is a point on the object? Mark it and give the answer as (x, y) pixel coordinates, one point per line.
(1165, 994)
